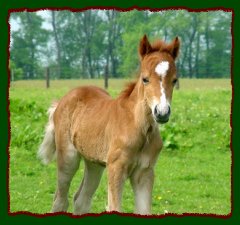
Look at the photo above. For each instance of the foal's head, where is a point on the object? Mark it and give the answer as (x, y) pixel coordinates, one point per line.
(158, 75)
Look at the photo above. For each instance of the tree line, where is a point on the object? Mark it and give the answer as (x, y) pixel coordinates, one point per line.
(91, 43)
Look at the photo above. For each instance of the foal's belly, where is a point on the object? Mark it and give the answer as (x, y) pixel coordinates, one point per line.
(88, 134)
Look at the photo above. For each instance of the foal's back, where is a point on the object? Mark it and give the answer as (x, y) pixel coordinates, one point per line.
(81, 119)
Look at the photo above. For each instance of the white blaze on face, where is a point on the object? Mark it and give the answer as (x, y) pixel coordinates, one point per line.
(162, 68)
(162, 103)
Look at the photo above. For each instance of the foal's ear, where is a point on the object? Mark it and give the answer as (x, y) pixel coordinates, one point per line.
(144, 46)
(174, 48)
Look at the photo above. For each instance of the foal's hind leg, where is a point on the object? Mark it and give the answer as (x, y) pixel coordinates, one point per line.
(67, 163)
(83, 197)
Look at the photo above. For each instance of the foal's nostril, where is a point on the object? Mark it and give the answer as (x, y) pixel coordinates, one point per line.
(162, 116)
(158, 112)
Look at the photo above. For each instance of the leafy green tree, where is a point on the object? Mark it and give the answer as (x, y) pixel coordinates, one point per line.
(113, 39)
(218, 39)
(134, 25)
(28, 44)
(16, 73)
(85, 44)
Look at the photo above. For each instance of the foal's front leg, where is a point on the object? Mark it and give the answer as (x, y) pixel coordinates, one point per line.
(142, 182)
(117, 173)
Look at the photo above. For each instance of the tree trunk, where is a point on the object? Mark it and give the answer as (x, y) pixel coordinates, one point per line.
(88, 28)
(113, 34)
(191, 39)
(190, 74)
(57, 42)
(183, 59)
(32, 47)
(197, 55)
(207, 47)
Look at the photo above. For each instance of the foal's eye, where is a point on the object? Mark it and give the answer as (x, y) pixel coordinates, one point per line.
(145, 80)
(174, 81)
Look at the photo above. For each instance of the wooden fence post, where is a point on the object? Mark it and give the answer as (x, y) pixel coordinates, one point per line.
(106, 77)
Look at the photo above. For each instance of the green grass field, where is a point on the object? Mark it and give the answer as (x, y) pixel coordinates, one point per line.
(193, 173)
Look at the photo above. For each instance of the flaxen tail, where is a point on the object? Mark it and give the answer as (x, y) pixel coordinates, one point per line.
(47, 149)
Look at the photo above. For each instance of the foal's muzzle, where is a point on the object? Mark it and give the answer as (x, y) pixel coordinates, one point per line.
(162, 117)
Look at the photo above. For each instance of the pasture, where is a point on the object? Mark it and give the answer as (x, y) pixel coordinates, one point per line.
(193, 173)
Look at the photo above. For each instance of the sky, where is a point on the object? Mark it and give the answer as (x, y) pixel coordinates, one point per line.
(43, 13)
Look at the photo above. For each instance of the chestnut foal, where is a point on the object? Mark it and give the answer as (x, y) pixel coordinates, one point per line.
(121, 134)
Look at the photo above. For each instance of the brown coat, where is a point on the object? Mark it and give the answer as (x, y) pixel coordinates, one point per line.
(121, 133)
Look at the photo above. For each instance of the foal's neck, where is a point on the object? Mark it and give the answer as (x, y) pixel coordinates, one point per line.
(141, 110)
